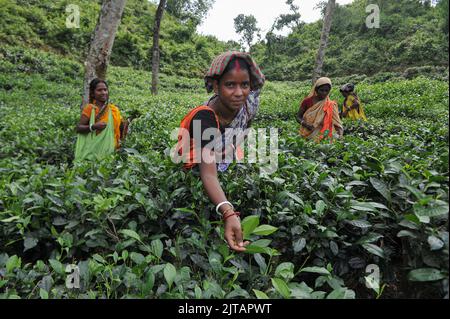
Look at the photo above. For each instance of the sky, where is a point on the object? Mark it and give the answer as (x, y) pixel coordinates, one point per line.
(220, 19)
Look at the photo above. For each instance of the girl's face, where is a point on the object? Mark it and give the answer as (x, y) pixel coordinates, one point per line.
(323, 91)
(345, 93)
(101, 92)
(233, 88)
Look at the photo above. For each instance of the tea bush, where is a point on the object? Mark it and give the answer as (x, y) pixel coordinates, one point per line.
(138, 226)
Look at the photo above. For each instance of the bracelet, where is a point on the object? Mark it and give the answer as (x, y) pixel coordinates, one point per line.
(220, 204)
(226, 211)
(233, 214)
(90, 128)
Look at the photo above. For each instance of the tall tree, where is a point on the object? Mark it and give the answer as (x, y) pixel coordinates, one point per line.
(189, 11)
(443, 7)
(246, 26)
(324, 39)
(156, 55)
(290, 20)
(102, 42)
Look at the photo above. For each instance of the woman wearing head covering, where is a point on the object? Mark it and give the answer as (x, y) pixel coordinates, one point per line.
(210, 134)
(352, 108)
(318, 115)
(101, 127)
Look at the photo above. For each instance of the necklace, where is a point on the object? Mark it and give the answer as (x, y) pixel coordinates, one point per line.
(223, 122)
(101, 112)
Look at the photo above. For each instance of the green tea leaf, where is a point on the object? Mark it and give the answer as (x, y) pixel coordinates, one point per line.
(169, 273)
(435, 243)
(252, 249)
(426, 274)
(198, 292)
(285, 270)
(317, 270)
(367, 206)
(261, 242)
(249, 224)
(295, 198)
(149, 283)
(381, 187)
(43, 293)
(281, 287)
(342, 293)
(359, 223)
(435, 209)
(299, 244)
(320, 207)
(157, 247)
(130, 233)
(137, 258)
(57, 266)
(374, 249)
(13, 263)
(259, 294)
(10, 219)
(406, 233)
(29, 243)
(264, 230)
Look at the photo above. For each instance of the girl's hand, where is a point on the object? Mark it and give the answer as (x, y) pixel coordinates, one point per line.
(233, 234)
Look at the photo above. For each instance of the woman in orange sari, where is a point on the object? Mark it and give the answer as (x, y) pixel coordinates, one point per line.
(318, 115)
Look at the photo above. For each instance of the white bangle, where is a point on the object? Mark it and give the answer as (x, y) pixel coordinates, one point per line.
(220, 204)
(90, 128)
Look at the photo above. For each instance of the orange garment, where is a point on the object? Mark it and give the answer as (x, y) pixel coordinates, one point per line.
(117, 118)
(324, 117)
(185, 143)
(327, 127)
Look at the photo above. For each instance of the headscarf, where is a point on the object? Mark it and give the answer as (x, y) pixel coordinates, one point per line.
(324, 113)
(319, 82)
(220, 63)
(348, 87)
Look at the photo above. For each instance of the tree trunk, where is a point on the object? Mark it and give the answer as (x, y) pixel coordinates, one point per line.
(155, 56)
(101, 43)
(323, 39)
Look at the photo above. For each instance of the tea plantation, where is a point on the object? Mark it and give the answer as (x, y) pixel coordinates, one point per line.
(138, 226)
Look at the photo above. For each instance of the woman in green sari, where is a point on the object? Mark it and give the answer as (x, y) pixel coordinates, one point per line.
(101, 127)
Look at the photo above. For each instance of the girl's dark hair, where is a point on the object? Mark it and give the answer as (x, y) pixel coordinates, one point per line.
(92, 86)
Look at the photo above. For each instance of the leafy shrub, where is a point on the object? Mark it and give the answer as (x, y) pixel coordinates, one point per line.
(136, 225)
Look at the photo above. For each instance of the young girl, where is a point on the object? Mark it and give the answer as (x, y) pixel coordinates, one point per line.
(213, 131)
(352, 107)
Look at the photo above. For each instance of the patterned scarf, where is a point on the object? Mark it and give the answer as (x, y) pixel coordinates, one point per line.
(220, 63)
